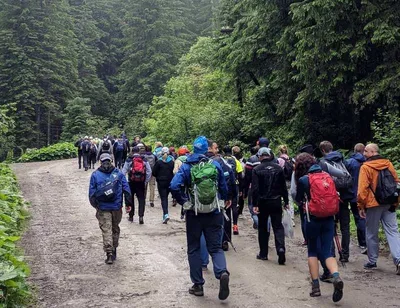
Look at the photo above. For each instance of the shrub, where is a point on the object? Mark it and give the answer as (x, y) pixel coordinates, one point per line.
(14, 291)
(53, 152)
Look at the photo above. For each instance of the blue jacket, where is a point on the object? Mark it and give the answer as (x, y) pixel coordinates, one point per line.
(353, 164)
(182, 178)
(100, 177)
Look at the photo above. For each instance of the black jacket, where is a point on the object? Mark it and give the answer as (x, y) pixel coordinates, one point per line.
(268, 183)
(164, 172)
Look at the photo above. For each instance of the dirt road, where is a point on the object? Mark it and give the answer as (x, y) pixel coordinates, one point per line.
(64, 249)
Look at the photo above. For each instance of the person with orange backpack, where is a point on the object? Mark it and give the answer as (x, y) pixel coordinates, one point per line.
(316, 192)
(139, 174)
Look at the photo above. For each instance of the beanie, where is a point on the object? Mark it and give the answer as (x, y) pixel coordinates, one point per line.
(200, 145)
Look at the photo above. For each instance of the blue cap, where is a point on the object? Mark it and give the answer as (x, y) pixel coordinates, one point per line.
(200, 145)
(263, 142)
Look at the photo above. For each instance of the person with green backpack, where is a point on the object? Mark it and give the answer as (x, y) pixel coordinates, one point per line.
(204, 202)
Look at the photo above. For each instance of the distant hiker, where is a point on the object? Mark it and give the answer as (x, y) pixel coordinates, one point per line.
(354, 164)
(85, 146)
(268, 187)
(205, 181)
(78, 145)
(377, 199)
(119, 148)
(182, 157)
(125, 140)
(287, 165)
(136, 141)
(92, 154)
(173, 153)
(151, 159)
(139, 173)
(334, 164)
(105, 146)
(239, 156)
(230, 180)
(157, 150)
(163, 171)
(248, 173)
(107, 187)
(319, 188)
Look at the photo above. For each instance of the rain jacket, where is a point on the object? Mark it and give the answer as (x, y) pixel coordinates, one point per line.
(163, 171)
(368, 180)
(353, 164)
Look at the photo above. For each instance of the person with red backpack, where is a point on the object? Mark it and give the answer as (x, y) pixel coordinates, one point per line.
(139, 174)
(316, 192)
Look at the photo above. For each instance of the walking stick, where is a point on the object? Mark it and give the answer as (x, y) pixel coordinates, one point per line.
(339, 246)
(226, 234)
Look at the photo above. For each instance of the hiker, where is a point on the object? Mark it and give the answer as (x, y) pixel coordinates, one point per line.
(230, 180)
(239, 156)
(85, 146)
(127, 147)
(78, 145)
(247, 184)
(203, 214)
(139, 173)
(182, 157)
(237, 169)
(354, 164)
(173, 153)
(136, 141)
(151, 159)
(105, 146)
(157, 150)
(268, 187)
(318, 186)
(334, 164)
(163, 171)
(377, 200)
(119, 148)
(107, 187)
(92, 154)
(287, 165)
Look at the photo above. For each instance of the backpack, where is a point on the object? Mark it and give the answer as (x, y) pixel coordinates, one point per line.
(182, 158)
(288, 169)
(204, 187)
(120, 147)
(151, 159)
(345, 182)
(107, 192)
(85, 146)
(138, 171)
(93, 149)
(324, 200)
(106, 146)
(386, 189)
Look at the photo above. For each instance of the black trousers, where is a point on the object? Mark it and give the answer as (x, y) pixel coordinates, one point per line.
(138, 189)
(163, 190)
(85, 160)
(273, 209)
(344, 221)
(80, 158)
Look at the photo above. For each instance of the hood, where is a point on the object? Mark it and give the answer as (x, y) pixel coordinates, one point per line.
(359, 157)
(169, 159)
(209, 154)
(315, 168)
(334, 156)
(108, 171)
(377, 162)
(195, 158)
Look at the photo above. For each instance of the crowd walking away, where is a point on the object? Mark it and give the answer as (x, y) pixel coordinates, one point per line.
(212, 187)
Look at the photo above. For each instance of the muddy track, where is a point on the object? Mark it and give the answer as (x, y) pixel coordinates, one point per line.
(64, 249)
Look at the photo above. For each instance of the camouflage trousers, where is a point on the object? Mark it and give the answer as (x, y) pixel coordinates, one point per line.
(109, 226)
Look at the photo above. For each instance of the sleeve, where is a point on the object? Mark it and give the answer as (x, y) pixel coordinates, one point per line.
(363, 186)
(284, 193)
(127, 166)
(302, 188)
(180, 179)
(254, 188)
(92, 190)
(232, 189)
(126, 190)
(148, 172)
(155, 169)
(222, 186)
(111, 148)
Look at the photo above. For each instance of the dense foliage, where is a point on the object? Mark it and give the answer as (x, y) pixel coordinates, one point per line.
(14, 291)
(54, 152)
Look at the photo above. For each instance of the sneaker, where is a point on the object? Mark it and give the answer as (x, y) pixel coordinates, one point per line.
(259, 257)
(315, 291)
(204, 268)
(338, 289)
(225, 246)
(174, 203)
(130, 218)
(235, 230)
(281, 257)
(224, 286)
(109, 259)
(196, 290)
(398, 268)
(114, 254)
(326, 277)
(370, 266)
(364, 250)
(165, 219)
(141, 220)
(255, 226)
(304, 243)
(152, 204)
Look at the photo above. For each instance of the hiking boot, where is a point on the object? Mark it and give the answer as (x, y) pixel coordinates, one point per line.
(344, 259)
(114, 254)
(109, 259)
(204, 268)
(255, 226)
(281, 257)
(259, 257)
(152, 204)
(364, 250)
(196, 290)
(225, 246)
(130, 218)
(235, 230)
(174, 202)
(370, 266)
(326, 277)
(224, 286)
(338, 289)
(398, 268)
(165, 219)
(141, 222)
(315, 291)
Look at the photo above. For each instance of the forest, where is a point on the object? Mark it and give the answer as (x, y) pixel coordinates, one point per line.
(234, 70)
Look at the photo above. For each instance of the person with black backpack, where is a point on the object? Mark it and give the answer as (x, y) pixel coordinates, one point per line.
(105, 146)
(78, 145)
(377, 200)
(139, 174)
(92, 154)
(107, 188)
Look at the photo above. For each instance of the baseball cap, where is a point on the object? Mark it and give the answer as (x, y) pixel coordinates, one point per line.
(165, 150)
(105, 156)
(264, 152)
(263, 142)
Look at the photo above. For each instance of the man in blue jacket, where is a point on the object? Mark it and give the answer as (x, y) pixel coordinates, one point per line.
(354, 164)
(210, 224)
(106, 190)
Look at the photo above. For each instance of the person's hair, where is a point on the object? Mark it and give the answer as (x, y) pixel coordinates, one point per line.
(283, 149)
(304, 161)
(135, 150)
(326, 146)
(148, 148)
(374, 147)
(227, 150)
(254, 150)
(158, 144)
(210, 142)
(359, 148)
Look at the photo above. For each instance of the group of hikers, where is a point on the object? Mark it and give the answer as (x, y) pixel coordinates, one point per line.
(212, 188)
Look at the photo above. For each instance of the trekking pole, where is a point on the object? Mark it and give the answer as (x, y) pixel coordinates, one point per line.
(339, 246)
(226, 234)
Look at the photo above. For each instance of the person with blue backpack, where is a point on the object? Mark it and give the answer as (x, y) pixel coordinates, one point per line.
(204, 200)
(119, 148)
(107, 188)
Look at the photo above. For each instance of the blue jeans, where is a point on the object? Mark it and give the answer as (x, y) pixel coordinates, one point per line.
(203, 251)
(211, 226)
